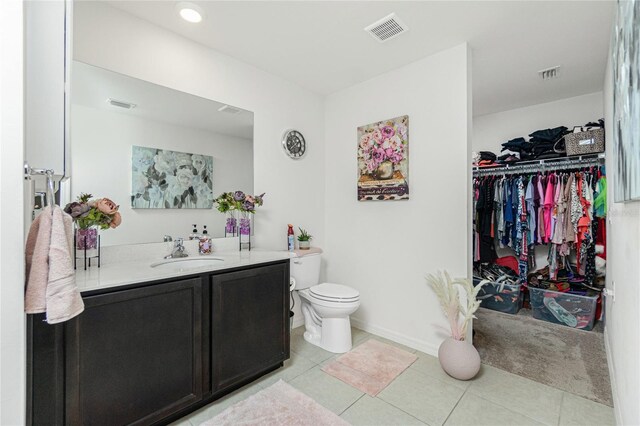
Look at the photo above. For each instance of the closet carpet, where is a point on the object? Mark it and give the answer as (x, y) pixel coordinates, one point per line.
(565, 358)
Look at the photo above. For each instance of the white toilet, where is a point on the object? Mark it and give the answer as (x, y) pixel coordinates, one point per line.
(326, 307)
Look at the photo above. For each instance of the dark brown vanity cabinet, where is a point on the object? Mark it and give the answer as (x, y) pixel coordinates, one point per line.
(249, 324)
(132, 356)
(135, 355)
(151, 353)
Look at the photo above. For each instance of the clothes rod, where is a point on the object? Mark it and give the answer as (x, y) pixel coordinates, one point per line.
(542, 165)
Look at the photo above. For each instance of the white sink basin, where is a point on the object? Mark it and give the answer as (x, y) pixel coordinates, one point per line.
(187, 263)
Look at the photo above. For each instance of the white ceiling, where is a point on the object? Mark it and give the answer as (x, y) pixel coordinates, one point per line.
(92, 86)
(322, 46)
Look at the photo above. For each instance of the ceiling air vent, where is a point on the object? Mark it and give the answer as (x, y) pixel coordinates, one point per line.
(387, 28)
(229, 109)
(549, 73)
(120, 104)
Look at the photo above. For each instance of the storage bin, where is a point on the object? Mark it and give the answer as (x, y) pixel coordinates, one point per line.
(500, 297)
(582, 143)
(570, 309)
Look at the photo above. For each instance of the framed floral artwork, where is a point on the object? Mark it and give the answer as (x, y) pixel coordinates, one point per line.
(383, 160)
(163, 179)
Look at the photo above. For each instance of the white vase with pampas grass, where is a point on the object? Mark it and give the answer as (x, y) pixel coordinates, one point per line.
(458, 358)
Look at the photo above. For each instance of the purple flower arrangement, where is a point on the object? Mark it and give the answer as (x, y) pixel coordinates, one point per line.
(100, 212)
(238, 201)
(89, 215)
(384, 142)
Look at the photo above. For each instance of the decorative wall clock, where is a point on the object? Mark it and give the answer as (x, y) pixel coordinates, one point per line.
(294, 144)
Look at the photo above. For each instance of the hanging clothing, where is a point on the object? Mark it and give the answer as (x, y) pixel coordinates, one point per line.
(499, 210)
(508, 212)
(536, 205)
(476, 235)
(548, 206)
(541, 232)
(515, 200)
(590, 260)
(561, 209)
(585, 238)
(576, 208)
(600, 202)
(558, 212)
(521, 238)
(531, 214)
(569, 228)
(484, 208)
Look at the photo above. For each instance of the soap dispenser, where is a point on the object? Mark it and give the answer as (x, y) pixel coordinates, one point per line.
(205, 246)
(194, 234)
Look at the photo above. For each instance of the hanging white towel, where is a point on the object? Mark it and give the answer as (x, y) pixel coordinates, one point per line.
(51, 286)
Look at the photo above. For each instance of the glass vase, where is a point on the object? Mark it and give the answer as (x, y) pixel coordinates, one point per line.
(87, 238)
(245, 226)
(244, 231)
(231, 225)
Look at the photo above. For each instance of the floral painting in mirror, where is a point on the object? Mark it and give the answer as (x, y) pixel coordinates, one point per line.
(383, 160)
(164, 179)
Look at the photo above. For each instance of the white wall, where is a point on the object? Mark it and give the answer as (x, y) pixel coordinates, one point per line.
(491, 130)
(109, 38)
(384, 249)
(101, 143)
(12, 318)
(622, 331)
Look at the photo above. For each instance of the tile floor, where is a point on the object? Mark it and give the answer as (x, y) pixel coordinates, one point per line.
(422, 395)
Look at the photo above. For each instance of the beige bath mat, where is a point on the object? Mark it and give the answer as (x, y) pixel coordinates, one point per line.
(371, 366)
(278, 405)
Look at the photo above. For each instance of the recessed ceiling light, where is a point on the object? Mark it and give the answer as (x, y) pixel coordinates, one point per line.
(190, 12)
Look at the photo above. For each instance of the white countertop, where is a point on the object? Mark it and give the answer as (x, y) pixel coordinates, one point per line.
(130, 272)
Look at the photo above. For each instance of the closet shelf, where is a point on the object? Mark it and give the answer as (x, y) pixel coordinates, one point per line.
(562, 163)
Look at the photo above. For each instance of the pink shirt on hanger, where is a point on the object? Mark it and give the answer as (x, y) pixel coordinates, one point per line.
(548, 206)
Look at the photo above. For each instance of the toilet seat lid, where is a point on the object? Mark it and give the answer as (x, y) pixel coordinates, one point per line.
(338, 292)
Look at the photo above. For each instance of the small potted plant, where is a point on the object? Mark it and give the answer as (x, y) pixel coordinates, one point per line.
(304, 240)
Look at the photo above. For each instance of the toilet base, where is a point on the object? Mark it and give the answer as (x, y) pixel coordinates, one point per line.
(327, 325)
(334, 335)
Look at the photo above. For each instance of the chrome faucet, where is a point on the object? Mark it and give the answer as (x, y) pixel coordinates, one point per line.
(178, 250)
(167, 238)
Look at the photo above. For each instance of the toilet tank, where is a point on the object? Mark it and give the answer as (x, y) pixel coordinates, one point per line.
(306, 270)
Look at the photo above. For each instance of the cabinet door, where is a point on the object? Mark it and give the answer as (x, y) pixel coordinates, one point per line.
(45, 372)
(135, 356)
(249, 324)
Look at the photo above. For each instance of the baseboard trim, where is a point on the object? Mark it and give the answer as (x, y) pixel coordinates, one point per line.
(297, 322)
(417, 344)
(612, 378)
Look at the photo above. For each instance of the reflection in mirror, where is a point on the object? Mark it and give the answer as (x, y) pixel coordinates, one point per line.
(191, 150)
